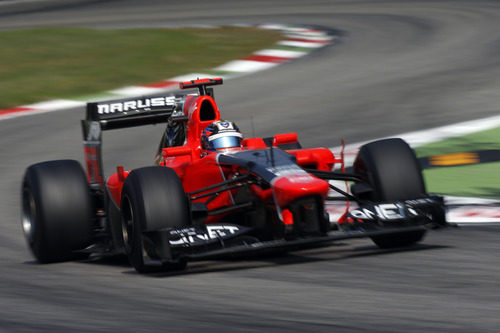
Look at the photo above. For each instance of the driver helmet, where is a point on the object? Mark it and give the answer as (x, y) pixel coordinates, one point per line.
(221, 134)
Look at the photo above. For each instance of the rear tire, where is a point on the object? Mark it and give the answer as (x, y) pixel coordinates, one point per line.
(56, 210)
(152, 198)
(391, 168)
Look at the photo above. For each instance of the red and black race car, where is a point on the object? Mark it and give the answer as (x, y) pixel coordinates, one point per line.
(213, 193)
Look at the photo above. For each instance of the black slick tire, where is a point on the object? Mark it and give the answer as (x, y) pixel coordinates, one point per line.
(152, 198)
(391, 169)
(56, 210)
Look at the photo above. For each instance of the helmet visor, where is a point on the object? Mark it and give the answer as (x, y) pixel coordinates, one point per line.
(225, 142)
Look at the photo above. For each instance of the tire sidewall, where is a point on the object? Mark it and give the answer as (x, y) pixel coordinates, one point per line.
(62, 218)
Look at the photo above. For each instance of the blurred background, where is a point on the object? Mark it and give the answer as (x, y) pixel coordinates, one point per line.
(398, 67)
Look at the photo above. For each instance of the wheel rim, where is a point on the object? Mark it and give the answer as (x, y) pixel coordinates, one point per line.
(29, 215)
(127, 223)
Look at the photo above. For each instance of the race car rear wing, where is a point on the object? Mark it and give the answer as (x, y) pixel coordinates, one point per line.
(131, 112)
(121, 113)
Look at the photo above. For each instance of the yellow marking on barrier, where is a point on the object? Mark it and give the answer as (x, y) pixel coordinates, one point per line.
(454, 159)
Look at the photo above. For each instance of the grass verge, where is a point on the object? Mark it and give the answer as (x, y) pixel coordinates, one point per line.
(479, 180)
(48, 63)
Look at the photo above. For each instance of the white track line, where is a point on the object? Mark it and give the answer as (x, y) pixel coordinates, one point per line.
(300, 44)
(245, 66)
(280, 53)
(419, 138)
(136, 91)
(57, 104)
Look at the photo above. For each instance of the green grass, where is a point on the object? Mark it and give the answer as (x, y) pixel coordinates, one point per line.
(484, 140)
(42, 64)
(480, 180)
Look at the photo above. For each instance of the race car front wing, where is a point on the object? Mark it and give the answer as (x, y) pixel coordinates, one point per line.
(213, 241)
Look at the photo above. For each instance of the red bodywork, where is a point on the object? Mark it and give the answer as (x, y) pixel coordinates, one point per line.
(198, 170)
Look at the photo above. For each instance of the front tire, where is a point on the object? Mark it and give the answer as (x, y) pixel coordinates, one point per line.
(56, 210)
(391, 169)
(152, 198)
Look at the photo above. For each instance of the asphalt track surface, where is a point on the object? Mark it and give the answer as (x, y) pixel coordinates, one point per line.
(402, 66)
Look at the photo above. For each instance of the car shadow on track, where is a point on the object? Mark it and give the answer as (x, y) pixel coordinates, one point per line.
(321, 253)
(330, 252)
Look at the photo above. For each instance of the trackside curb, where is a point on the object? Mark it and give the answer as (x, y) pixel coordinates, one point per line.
(297, 42)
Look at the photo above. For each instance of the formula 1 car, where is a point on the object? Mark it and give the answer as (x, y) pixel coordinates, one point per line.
(262, 195)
